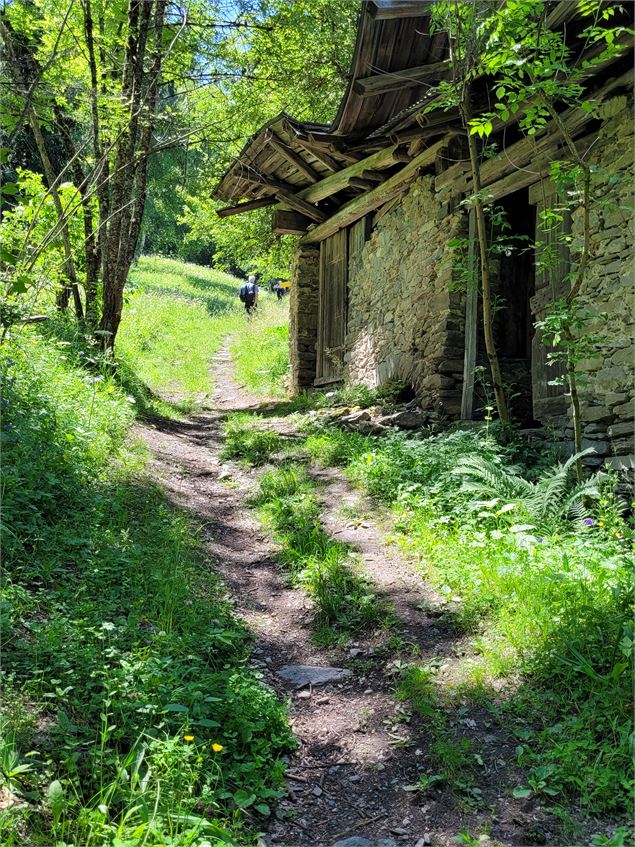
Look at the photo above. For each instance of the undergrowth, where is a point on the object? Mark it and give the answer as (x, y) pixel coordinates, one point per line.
(327, 569)
(540, 574)
(129, 714)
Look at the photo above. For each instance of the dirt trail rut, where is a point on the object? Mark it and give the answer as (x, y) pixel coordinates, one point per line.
(357, 746)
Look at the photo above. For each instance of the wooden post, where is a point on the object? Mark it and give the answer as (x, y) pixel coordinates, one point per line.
(471, 323)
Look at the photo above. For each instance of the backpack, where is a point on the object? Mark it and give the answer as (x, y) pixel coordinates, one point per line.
(248, 293)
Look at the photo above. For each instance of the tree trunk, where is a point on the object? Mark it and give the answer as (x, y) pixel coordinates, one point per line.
(481, 228)
(140, 88)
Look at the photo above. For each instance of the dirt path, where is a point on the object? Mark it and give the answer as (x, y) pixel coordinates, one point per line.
(357, 746)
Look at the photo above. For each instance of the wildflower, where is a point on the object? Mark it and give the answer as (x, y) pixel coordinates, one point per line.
(618, 534)
(589, 522)
(539, 540)
(188, 738)
(600, 523)
(217, 747)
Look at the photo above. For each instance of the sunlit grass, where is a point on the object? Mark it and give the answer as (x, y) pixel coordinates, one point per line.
(260, 348)
(175, 319)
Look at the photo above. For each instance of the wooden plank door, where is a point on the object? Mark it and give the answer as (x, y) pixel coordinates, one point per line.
(332, 308)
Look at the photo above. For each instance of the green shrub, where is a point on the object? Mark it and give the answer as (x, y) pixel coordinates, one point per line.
(245, 441)
(123, 664)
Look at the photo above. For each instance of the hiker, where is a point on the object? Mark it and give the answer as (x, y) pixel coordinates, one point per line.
(249, 294)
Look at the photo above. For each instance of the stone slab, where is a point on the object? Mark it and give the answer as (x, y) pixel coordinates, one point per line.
(311, 674)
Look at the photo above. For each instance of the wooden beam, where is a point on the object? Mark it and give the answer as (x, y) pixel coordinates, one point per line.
(293, 158)
(385, 10)
(530, 148)
(341, 180)
(249, 206)
(373, 176)
(385, 83)
(321, 156)
(289, 223)
(365, 203)
(358, 182)
(300, 205)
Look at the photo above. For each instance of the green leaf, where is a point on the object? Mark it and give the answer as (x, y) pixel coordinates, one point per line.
(521, 793)
(263, 809)
(243, 798)
(4, 155)
(7, 256)
(176, 707)
(206, 722)
(20, 284)
(10, 189)
(56, 799)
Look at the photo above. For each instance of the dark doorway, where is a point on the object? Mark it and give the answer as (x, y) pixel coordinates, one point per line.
(514, 287)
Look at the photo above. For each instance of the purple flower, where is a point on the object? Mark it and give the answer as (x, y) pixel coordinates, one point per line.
(589, 522)
(539, 540)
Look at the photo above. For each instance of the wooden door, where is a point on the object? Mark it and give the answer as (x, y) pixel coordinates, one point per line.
(549, 399)
(332, 308)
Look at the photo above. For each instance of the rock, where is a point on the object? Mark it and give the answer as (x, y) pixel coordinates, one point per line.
(303, 695)
(311, 674)
(356, 417)
(321, 701)
(223, 475)
(354, 652)
(621, 429)
(405, 419)
(317, 791)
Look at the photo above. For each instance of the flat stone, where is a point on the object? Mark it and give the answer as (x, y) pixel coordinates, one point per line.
(311, 674)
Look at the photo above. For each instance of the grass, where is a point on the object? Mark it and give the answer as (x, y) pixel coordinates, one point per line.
(547, 598)
(175, 319)
(130, 715)
(244, 440)
(327, 569)
(260, 348)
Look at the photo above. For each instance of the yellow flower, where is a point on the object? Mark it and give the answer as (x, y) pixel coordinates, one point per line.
(217, 747)
(618, 534)
(600, 523)
(188, 738)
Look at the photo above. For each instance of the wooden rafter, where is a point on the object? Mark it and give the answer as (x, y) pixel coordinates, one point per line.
(341, 180)
(293, 158)
(248, 206)
(300, 205)
(385, 83)
(371, 200)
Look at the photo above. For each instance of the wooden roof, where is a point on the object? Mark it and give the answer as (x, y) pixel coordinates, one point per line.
(393, 37)
(325, 177)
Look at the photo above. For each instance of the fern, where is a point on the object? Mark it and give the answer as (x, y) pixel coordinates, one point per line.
(556, 495)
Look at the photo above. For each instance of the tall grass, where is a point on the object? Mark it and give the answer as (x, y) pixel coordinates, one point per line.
(175, 320)
(327, 569)
(260, 348)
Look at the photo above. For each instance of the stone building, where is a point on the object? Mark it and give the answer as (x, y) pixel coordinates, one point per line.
(378, 278)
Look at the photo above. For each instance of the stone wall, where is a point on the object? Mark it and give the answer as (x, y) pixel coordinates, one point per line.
(303, 316)
(405, 321)
(608, 405)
